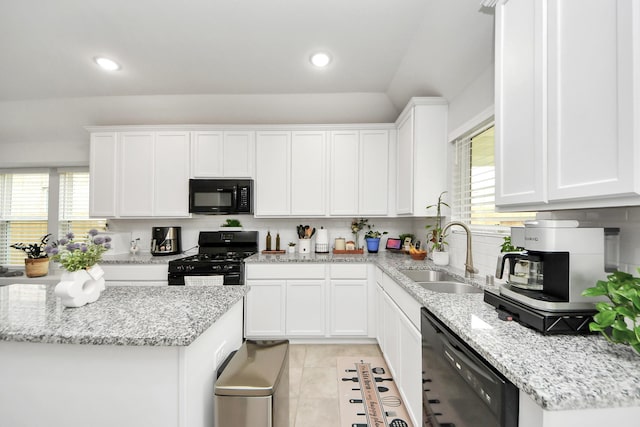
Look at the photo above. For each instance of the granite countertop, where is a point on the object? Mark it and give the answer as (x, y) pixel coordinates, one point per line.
(311, 257)
(559, 372)
(140, 258)
(142, 315)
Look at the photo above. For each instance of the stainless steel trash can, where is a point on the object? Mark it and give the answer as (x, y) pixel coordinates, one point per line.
(253, 389)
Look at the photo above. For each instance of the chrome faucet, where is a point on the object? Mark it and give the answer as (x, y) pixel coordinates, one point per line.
(468, 264)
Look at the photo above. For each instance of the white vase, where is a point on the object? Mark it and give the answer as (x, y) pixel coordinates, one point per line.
(440, 258)
(77, 288)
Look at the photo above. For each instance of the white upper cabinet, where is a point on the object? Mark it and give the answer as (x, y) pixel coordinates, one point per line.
(139, 174)
(291, 171)
(103, 154)
(222, 154)
(374, 172)
(567, 104)
(308, 173)
(136, 186)
(359, 172)
(171, 174)
(273, 172)
(520, 167)
(421, 155)
(345, 147)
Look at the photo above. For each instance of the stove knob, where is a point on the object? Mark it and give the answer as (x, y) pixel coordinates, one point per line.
(190, 268)
(216, 267)
(228, 267)
(179, 267)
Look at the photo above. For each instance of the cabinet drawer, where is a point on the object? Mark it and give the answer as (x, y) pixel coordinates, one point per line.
(285, 271)
(348, 271)
(401, 297)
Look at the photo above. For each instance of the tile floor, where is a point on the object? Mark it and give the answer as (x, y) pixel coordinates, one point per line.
(314, 381)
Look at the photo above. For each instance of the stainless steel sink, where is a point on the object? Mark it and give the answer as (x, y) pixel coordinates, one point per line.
(449, 287)
(429, 276)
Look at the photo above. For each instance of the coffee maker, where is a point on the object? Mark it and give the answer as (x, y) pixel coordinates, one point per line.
(165, 241)
(546, 280)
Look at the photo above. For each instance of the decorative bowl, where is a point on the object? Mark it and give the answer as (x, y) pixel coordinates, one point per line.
(418, 256)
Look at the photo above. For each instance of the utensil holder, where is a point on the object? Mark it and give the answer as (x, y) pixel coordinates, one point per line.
(304, 246)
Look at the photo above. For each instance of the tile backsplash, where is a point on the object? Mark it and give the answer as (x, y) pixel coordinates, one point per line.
(486, 246)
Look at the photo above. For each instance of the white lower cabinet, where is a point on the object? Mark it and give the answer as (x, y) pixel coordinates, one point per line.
(409, 374)
(400, 341)
(307, 300)
(265, 308)
(304, 308)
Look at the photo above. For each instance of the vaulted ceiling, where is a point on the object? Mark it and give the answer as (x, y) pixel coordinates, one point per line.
(235, 48)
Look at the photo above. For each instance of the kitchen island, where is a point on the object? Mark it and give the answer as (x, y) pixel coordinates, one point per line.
(563, 379)
(137, 356)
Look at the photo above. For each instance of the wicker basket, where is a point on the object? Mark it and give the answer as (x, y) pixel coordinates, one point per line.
(36, 267)
(418, 256)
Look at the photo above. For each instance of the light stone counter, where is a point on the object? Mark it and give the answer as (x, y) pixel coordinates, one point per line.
(133, 316)
(560, 372)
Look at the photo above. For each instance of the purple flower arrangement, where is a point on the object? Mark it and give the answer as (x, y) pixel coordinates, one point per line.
(74, 256)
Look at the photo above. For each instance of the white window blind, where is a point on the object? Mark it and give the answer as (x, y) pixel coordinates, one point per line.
(74, 205)
(24, 201)
(474, 183)
(24, 209)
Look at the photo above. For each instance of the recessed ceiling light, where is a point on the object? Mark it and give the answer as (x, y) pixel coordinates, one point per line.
(106, 63)
(320, 59)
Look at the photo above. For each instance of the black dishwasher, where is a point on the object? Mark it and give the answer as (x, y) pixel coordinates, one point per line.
(460, 389)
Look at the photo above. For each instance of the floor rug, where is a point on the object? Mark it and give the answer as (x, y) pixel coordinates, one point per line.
(369, 396)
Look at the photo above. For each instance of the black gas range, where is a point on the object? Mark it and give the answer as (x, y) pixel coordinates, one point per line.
(220, 253)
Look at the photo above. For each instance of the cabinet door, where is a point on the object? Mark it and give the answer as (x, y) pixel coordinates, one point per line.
(410, 375)
(404, 171)
(305, 308)
(171, 173)
(103, 159)
(273, 173)
(206, 154)
(374, 172)
(308, 173)
(520, 102)
(344, 172)
(380, 323)
(590, 108)
(238, 154)
(136, 174)
(391, 338)
(349, 308)
(265, 308)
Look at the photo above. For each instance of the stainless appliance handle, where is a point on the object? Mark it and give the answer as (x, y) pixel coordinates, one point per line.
(234, 200)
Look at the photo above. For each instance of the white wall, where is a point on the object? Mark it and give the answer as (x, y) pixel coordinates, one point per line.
(39, 132)
(475, 99)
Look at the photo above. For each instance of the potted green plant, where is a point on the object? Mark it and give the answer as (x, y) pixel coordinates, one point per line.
(372, 238)
(36, 264)
(618, 320)
(435, 236)
(507, 246)
(292, 248)
(232, 223)
(357, 225)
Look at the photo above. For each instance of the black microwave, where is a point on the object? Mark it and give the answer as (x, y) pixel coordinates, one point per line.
(220, 196)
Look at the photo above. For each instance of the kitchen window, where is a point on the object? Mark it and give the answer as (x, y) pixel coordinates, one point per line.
(36, 202)
(473, 198)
